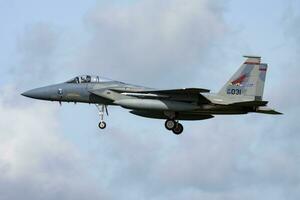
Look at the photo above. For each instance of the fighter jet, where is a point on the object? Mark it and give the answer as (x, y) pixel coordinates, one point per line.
(242, 94)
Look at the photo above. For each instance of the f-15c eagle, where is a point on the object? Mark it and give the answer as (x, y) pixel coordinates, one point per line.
(242, 94)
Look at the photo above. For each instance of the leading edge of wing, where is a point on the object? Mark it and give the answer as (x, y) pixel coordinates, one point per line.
(171, 93)
(168, 91)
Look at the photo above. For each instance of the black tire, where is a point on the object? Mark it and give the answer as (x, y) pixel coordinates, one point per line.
(170, 124)
(178, 129)
(102, 125)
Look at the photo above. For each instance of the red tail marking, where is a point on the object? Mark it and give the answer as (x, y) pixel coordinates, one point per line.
(239, 80)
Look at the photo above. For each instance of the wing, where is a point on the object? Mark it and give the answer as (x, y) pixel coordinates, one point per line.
(185, 94)
(171, 91)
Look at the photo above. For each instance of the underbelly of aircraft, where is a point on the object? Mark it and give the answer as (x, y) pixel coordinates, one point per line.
(190, 115)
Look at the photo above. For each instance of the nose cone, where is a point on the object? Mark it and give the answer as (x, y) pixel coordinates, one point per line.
(35, 94)
(39, 93)
(26, 94)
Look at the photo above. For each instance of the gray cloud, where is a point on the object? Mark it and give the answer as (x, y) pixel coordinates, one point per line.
(35, 161)
(230, 158)
(38, 51)
(291, 22)
(152, 39)
(214, 161)
(149, 42)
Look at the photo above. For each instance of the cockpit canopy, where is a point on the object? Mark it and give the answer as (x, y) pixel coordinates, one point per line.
(88, 79)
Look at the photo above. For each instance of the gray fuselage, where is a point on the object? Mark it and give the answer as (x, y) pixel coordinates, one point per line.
(148, 106)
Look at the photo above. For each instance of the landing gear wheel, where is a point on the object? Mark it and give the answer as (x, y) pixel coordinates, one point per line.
(170, 124)
(178, 129)
(102, 125)
(102, 109)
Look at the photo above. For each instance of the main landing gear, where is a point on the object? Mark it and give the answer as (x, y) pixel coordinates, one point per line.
(171, 124)
(102, 109)
(174, 126)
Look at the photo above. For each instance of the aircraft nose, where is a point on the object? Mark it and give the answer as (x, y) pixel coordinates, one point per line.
(39, 93)
(35, 93)
(26, 94)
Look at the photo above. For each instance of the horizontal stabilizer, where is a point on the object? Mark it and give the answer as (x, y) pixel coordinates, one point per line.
(267, 110)
(251, 103)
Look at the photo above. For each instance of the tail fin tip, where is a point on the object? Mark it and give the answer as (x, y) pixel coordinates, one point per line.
(249, 56)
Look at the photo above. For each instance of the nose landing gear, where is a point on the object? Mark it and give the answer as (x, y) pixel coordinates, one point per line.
(102, 109)
(102, 125)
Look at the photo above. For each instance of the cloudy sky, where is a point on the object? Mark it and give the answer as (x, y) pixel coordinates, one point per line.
(50, 152)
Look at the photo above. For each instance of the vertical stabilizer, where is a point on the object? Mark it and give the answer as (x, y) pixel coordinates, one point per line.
(249, 80)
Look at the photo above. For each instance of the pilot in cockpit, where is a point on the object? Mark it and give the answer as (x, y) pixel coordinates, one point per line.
(85, 79)
(88, 79)
(77, 80)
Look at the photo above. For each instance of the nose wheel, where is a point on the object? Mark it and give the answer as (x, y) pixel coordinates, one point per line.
(174, 126)
(102, 125)
(102, 109)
